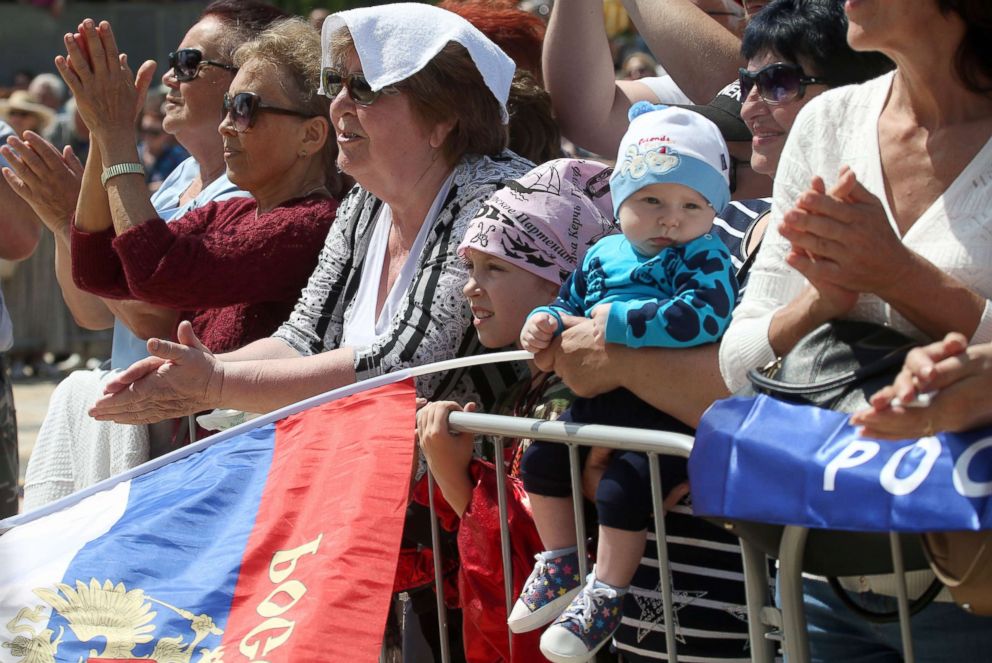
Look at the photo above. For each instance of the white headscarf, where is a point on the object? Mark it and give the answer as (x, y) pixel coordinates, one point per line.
(396, 41)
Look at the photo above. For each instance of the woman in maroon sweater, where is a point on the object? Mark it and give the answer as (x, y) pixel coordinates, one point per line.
(233, 268)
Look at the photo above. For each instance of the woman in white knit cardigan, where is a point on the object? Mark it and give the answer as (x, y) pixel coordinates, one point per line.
(882, 211)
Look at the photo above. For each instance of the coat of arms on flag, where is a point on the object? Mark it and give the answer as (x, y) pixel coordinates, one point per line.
(276, 542)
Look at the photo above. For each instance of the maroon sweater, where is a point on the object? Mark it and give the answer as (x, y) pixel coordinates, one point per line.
(234, 276)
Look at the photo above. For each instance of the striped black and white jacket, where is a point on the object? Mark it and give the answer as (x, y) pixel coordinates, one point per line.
(434, 323)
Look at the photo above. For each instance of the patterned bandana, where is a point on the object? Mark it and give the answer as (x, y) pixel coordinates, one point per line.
(545, 221)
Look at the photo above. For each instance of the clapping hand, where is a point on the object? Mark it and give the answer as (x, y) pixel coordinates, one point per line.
(108, 94)
(178, 379)
(842, 241)
(48, 180)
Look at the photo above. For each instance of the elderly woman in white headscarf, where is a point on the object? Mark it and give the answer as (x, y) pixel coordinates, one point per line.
(419, 113)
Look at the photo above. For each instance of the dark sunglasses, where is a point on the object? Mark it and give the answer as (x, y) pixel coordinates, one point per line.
(358, 88)
(244, 108)
(186, 64)
(778, 83)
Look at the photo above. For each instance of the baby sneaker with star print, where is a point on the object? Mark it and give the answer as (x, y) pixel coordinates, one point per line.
(585, 625)
(552, 585)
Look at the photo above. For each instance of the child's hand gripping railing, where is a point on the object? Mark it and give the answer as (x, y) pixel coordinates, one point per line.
(652, 443)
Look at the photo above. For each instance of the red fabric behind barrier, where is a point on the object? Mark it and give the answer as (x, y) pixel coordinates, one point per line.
(324, 548)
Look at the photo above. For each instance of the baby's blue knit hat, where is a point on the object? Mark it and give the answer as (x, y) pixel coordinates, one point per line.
(666, 144)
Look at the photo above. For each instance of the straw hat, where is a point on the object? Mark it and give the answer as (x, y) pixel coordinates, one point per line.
(20, 100)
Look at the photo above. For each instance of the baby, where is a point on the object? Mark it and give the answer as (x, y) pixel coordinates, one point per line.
(665, 282)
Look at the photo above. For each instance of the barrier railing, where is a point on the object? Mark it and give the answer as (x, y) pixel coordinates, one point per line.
(765, 621)
(652, 443)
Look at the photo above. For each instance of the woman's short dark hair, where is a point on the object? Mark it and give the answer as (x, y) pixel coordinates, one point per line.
(533, 130)
(245, 19)
(449, 87)
(292, 45)
(814, 31)
(973, 61)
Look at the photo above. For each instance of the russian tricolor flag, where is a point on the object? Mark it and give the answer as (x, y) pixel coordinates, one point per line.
(276, 542)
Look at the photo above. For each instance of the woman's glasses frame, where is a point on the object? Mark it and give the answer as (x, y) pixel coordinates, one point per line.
(359, 90)
(186, 64)
(243, 109)
(777, 83)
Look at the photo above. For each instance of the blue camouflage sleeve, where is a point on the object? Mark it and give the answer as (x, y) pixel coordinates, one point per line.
(702, 277)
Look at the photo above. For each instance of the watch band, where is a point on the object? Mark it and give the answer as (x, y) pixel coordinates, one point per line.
(120, 169)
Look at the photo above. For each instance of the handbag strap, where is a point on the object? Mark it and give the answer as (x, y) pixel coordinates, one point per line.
(763, 382)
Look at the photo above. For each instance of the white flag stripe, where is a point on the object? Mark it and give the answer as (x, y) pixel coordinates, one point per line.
(37, 554)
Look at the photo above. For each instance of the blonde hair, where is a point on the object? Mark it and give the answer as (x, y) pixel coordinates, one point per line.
(292, 45)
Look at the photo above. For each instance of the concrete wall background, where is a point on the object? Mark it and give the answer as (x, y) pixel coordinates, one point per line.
(30, 38)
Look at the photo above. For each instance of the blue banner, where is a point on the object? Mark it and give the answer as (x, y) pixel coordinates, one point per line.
(760, 459)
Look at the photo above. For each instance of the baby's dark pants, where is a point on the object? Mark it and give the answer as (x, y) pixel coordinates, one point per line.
(623, 498)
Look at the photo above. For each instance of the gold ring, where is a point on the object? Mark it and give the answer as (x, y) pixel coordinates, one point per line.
(929, 430)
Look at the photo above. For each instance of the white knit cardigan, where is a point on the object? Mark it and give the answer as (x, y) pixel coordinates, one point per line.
(840, 127)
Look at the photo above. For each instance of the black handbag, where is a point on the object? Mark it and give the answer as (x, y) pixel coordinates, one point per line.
(838, 366)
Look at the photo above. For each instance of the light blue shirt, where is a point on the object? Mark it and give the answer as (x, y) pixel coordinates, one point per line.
(6, 330)
(128, 348)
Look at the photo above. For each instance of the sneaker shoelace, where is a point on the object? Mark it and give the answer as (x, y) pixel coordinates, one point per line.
(539, 568)
(538, 571)
(586, 603)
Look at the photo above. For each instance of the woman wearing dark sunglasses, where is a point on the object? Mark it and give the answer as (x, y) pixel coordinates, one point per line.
(881, 213)
(232, 268)
(425, 143)
(794, 52)
(418, 107)
(191, 115)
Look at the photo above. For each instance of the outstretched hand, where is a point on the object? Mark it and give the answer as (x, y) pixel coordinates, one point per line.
(178, 379)
(108, 94)
(47, 179)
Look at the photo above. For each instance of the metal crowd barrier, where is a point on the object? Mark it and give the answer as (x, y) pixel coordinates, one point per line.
(765, 622)
(652, 443)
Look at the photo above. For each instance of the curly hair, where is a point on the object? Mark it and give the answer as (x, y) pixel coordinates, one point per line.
(293, 46)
